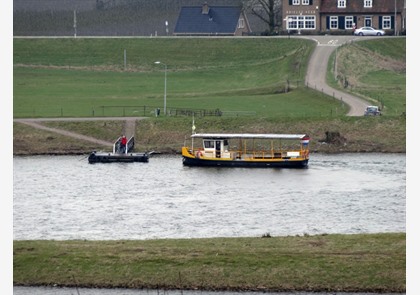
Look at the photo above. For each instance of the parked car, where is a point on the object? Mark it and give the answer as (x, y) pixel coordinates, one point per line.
(369, 31)
(372, 111)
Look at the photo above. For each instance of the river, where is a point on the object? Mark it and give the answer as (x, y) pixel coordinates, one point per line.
(64, 197)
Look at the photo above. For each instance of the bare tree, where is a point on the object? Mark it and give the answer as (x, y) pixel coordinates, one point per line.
(269, 11)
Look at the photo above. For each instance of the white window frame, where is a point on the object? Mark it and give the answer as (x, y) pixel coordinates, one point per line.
(368, 3)
(310, 22)
(241, 23)
(291, 22)
(386, 22)
(334, 20)
(348, 22)
(341, 3)
(367, 18)
(301, 22)
(305, 2)
(296, 2)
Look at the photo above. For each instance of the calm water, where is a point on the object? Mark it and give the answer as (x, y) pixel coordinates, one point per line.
(64, 197)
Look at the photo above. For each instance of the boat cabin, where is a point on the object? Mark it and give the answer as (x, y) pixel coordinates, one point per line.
(216, 148)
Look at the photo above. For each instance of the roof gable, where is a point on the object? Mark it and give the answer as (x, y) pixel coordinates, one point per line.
(218, 20)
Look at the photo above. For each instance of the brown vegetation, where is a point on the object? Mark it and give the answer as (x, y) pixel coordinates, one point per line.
(167, 135)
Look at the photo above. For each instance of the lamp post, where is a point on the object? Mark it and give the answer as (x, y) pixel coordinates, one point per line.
(164, 95)
(74, 23)
(395, 17)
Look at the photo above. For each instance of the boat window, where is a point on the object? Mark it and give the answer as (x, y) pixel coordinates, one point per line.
(208, 144)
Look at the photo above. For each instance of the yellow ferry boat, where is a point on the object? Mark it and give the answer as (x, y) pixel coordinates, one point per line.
(247, 150)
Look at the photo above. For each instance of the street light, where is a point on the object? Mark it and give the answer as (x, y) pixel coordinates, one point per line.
(164, 95)
(395, 17)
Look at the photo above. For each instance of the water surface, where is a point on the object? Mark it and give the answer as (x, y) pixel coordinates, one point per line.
(64, 197)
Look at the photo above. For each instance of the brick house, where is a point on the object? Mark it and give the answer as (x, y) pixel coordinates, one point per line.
(342, 16)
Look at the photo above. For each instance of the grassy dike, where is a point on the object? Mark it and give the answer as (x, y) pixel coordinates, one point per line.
(353, 263)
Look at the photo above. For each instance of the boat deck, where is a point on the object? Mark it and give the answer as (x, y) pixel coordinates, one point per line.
(119, 154)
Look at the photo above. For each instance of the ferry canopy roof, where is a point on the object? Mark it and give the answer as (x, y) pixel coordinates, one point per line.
(248, 136)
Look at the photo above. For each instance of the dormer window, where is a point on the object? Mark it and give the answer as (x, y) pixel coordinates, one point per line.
(368, 3)
(205, 8)
(341, 4)
(241, 23)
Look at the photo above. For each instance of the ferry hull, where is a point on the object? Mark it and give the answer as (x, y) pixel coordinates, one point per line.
(187, 161)
(113, 158)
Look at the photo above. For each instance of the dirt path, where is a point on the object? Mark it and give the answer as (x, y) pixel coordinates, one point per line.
(129, 128)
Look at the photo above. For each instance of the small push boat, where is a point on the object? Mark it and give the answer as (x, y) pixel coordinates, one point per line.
(121, 153)
(248, 150)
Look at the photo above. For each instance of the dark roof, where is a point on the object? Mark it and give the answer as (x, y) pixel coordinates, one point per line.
(357, 6)
(219, 20)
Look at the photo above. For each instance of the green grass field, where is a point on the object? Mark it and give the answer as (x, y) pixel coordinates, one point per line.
(75, 77)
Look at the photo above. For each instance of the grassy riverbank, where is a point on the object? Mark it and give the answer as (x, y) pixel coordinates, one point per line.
(167, 135)
(364, 262)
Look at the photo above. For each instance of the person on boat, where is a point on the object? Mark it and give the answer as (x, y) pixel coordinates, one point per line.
(123, 143)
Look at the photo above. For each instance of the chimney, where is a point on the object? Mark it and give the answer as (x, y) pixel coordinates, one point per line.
(205, 9)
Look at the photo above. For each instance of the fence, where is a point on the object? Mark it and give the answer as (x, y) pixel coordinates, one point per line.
(148, 111)
(127, 111)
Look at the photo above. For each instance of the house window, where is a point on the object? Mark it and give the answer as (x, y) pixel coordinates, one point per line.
(368, 3)
(333, 22)
(386, 22)
(349, 22)
(241, 23)
(305, 2)
(301, 22)
(292, 22)
(341, 4)
(310, 22)
(305, 22)
(295, 2)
